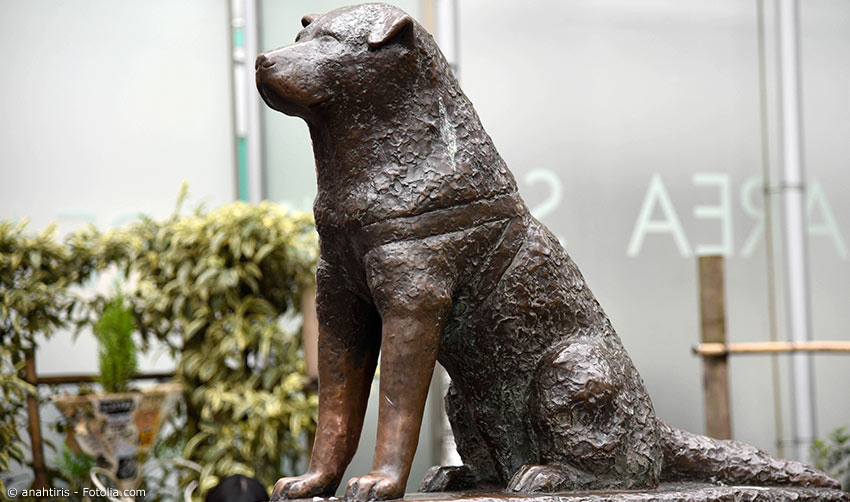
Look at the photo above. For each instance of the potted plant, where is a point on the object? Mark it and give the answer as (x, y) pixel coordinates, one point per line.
(119, 425)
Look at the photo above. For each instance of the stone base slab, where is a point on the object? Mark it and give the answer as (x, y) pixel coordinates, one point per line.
(689, 492)
(679, 492)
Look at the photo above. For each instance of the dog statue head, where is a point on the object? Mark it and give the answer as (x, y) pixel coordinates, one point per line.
(352, 58)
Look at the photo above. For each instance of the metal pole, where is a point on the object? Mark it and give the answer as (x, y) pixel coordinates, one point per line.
(770, 260)
(793, 192)
(244, 21)
(448, 32)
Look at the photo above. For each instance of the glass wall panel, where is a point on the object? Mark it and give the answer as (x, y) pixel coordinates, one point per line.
(633, 130)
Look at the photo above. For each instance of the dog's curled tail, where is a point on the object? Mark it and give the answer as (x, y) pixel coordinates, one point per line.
(693, 457)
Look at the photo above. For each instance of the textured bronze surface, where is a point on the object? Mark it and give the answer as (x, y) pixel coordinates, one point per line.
(428, 253)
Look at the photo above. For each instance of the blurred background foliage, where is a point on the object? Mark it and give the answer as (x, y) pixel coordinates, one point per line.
(832, 455)
(219, 289)
(13, 393)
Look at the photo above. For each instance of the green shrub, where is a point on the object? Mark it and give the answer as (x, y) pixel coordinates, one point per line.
(13, 394)
(214, 287)
(833, 455)
(116, 355)
(74, 468)
(223, 280)
(35, 273)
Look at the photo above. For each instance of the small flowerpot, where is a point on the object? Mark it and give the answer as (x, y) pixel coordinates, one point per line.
(119, 430)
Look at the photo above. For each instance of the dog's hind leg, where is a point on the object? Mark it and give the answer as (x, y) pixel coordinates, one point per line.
(478, 467)
(591, 430)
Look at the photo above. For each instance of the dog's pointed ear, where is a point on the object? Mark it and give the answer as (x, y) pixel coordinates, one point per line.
(309, 18)
(398, 25)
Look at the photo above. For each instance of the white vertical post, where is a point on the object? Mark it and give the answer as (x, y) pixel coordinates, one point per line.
(448, 32)
(793, 193)
(246, 101)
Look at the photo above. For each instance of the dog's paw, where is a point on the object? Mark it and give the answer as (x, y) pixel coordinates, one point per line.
(309, 485)
(373, 486)
(448, 478)
(549, 479)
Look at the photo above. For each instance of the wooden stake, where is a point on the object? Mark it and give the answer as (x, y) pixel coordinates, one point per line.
(718, 422)
(34, 426)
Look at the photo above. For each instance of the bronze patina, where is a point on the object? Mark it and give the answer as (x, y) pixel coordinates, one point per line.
(428, 253)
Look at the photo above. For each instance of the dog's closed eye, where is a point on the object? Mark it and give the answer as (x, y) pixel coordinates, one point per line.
(317, 35)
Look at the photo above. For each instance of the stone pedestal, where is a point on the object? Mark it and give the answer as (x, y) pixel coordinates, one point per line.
(673, 492)
(683, 492)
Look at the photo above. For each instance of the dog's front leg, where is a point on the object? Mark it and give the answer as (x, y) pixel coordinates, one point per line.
(413, 312)
(349, 339)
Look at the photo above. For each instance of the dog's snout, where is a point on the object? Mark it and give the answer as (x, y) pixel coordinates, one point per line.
(263, 61)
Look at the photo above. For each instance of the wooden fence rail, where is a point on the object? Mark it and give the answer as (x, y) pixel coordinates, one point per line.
(719, 349)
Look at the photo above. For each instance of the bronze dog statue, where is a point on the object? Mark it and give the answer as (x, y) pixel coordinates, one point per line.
(427, 253)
